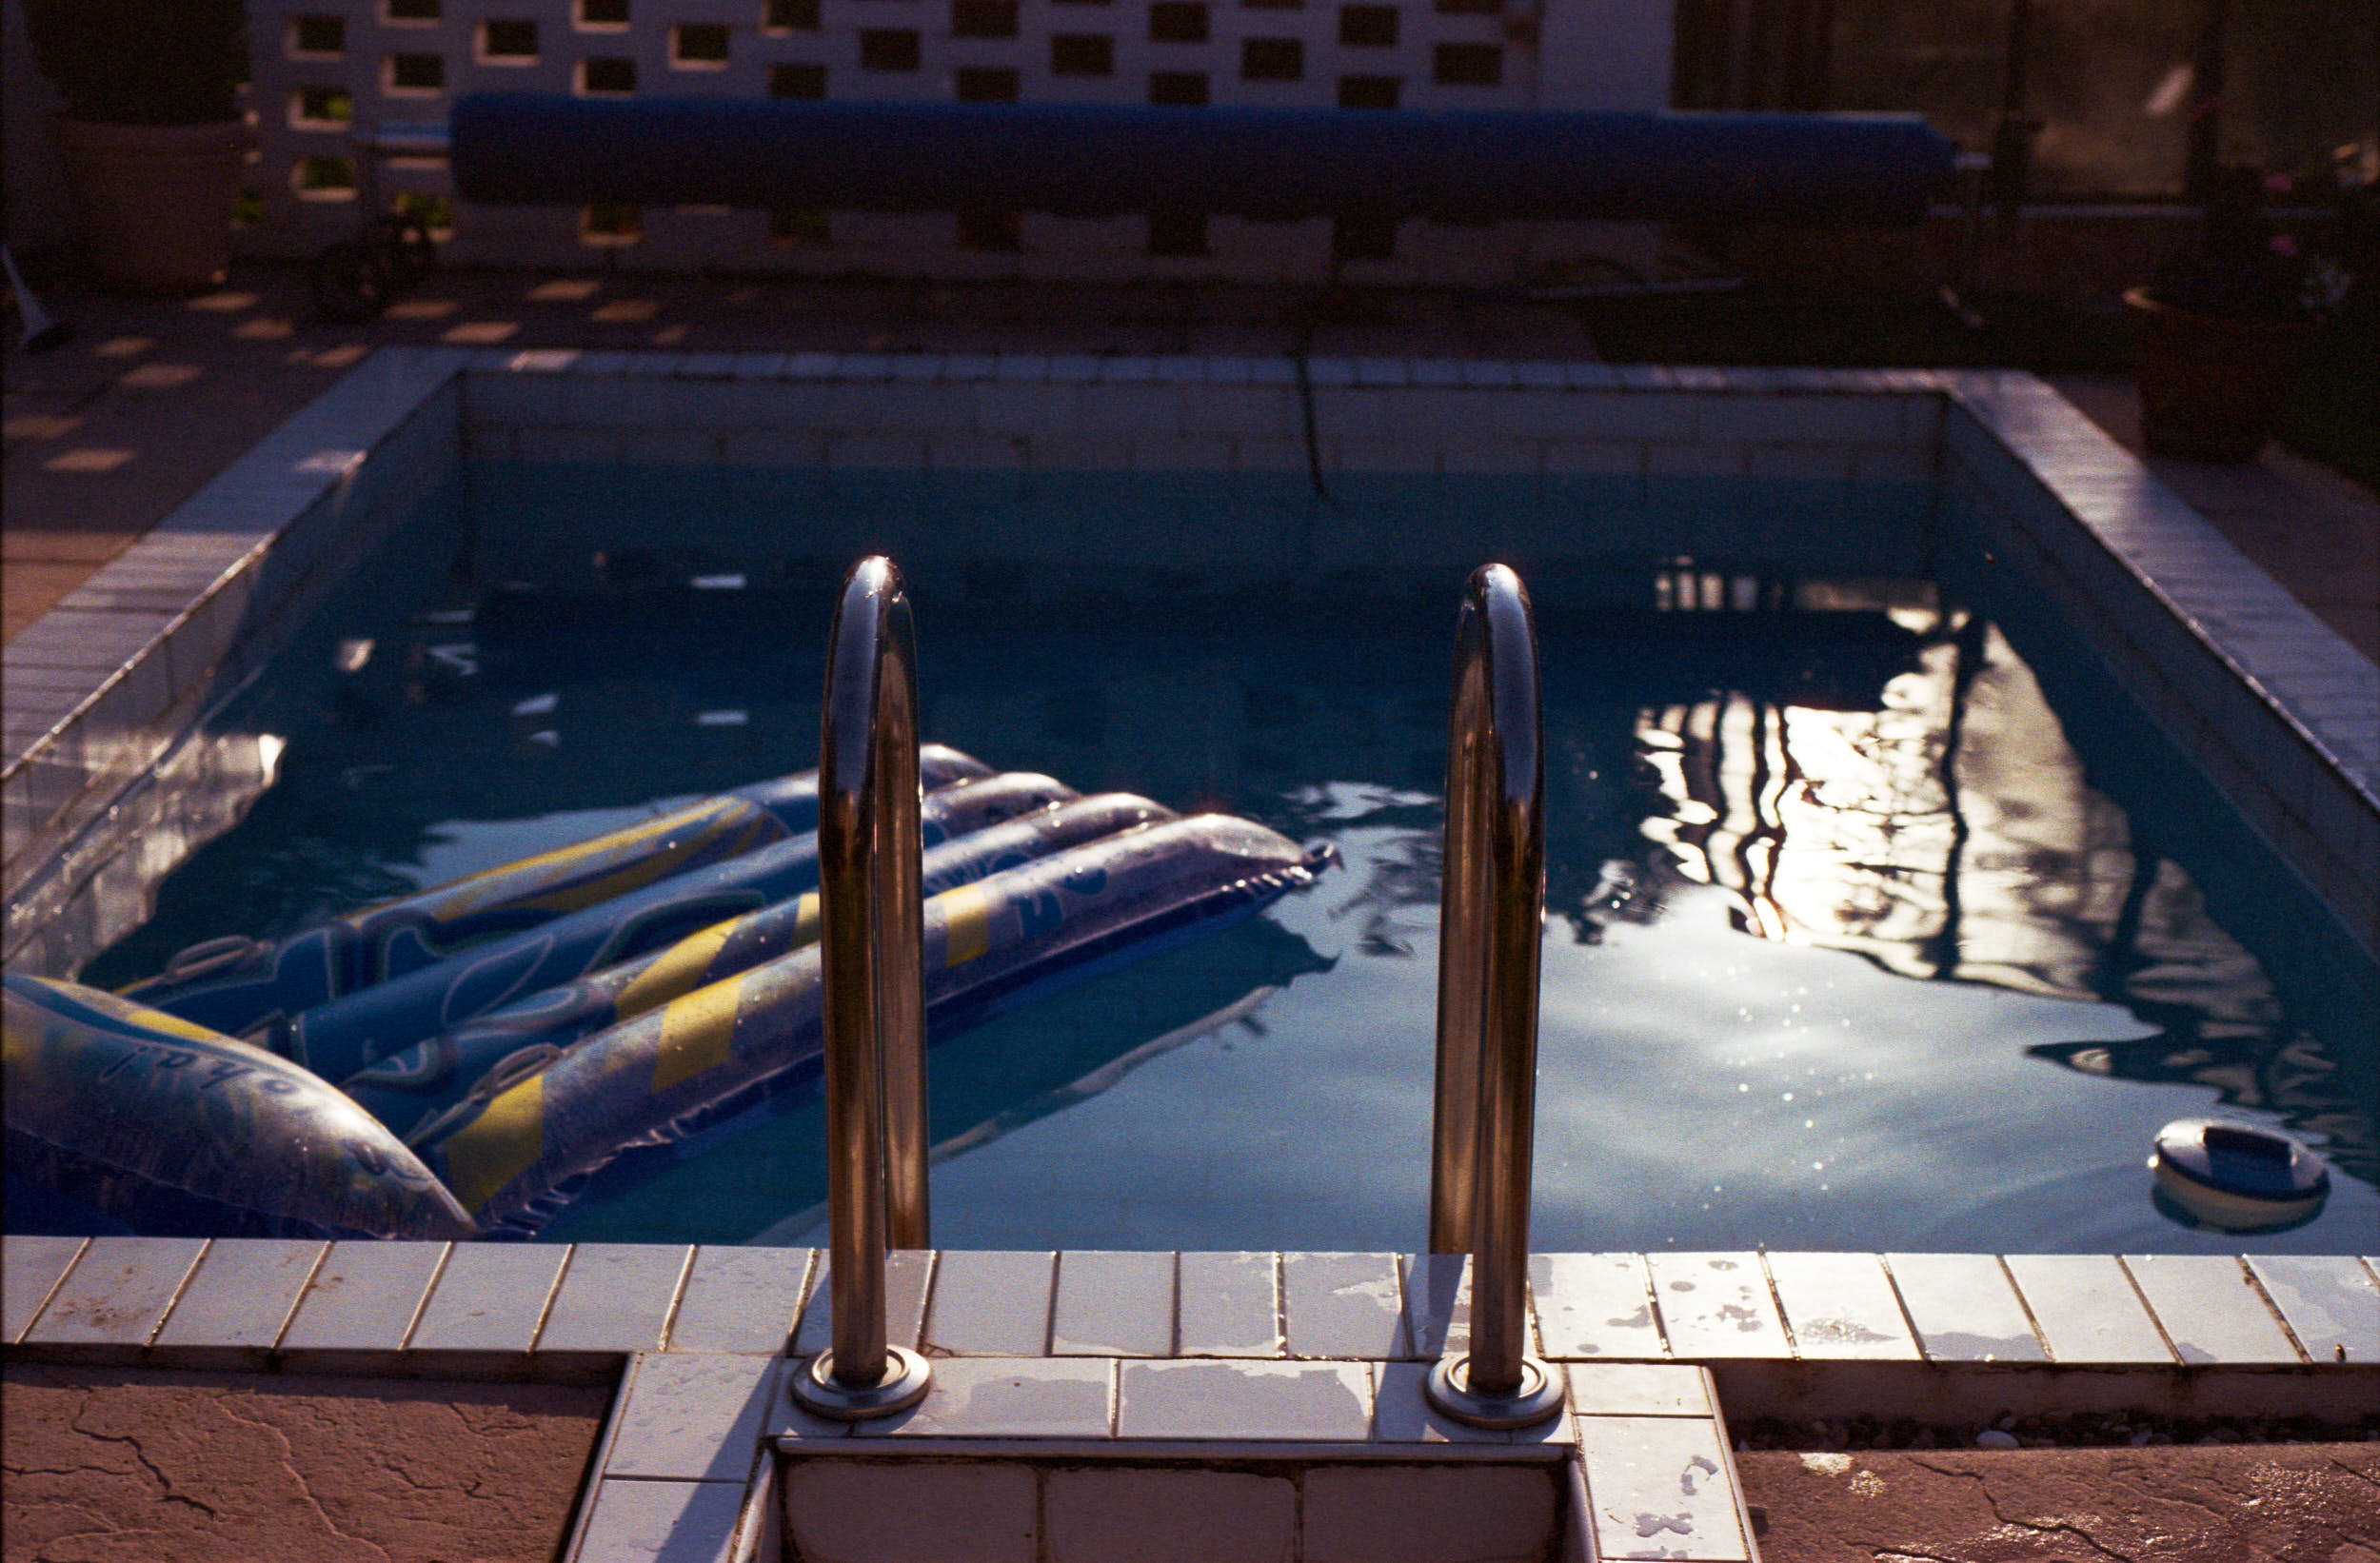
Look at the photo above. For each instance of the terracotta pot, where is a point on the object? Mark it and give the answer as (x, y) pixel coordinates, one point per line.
(156, 199)
(2211, 385)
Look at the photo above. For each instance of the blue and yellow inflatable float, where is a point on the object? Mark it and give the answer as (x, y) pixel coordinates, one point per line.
(500, 1041)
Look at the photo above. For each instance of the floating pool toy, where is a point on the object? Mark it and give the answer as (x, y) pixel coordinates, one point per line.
(145, 1117)
(617, 1002)
(235, 984)
(517, 1156)
(2237, 1176)
(356, 1030)
(418, 1081)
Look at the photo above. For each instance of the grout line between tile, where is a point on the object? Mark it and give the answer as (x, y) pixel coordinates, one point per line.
(1776, 1300)
(297, 1298)
(2255, 1284)
(2024, 1303)
(2154, 1322)
(429, 1289)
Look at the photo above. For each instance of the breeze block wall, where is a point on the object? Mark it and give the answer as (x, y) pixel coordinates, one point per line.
(323, 68)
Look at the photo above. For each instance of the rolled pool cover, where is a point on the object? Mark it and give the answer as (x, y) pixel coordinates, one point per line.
(236, 984)
(353, 1032)
(516, 1159)
(174, 1130)
(1101, 159)
(418, 1082)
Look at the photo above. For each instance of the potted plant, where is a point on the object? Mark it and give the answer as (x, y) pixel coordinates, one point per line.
(151, 134)
(2220, 331)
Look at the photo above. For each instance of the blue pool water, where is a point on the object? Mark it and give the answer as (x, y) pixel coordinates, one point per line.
(1848, 945)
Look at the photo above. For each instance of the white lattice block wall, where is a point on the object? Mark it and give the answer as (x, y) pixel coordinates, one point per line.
(321, 64)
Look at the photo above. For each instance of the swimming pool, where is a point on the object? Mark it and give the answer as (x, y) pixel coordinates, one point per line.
(1848, 946)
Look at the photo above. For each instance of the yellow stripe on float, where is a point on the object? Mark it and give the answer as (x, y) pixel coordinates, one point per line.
(806, 920)
(157, 1019)
(698, 1032)
(499, 1145)
(678, 969)
(967, 915)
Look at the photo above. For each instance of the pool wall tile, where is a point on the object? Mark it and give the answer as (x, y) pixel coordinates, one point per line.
(1230, 1305)
(1594, 1305)
(488, 1302)
(30, 1269)
(1964, 1308)
(238, 1301)
(693, 1416)
(1342, 1305)
(111, 1302)
(1841, 1305)
(2087, 1309)
(1008, 1397)
(741, 1299)
(2209, 1309)
(1370, 1513)
(1641, 1389)
(633, 1520)
(1716, 1306)
(1659, 1487)
(614, 1299)
(1244, 1401)
(908, 1273)
(361, 1304)
(2330, 1303)
(991, 1303)
(1114, 1303)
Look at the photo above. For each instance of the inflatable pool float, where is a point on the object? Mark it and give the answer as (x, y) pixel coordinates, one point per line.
(2237, 1176)
(516, 1155)
(171, 1129)
(235, 983)
(421, 1080)
(610, 1001)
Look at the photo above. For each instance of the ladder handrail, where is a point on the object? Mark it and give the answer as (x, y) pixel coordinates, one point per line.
(871, 940)
(1491, 914)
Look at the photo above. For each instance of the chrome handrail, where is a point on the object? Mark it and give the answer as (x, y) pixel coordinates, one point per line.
(1491, 914)
(871, 939)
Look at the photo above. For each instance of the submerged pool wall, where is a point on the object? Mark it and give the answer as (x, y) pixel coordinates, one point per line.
(1587, 476)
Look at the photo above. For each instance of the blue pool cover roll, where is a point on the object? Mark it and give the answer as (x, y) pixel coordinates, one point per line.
(1094, 159)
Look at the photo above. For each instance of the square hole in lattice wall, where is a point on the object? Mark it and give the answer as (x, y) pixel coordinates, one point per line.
(611, 224)
(606, 76)
(698, 46)
(984, 18)
(412, 74)
(324, 177)
(790, 16)
(888, 48)
(508, 41)
(409, 13)
(609, 14)
(316, 37)
(796, 80)
(321, 109)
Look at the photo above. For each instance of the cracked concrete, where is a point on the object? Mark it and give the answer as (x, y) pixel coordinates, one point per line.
(2246, 1503)
(143, 1465)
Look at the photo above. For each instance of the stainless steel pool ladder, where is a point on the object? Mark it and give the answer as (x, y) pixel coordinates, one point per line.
(1491, 913)
(872, 940)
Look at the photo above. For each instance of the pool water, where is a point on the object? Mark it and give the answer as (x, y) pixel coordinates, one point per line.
(1847, 947)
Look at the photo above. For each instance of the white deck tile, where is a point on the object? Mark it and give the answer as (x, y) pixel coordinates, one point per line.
(363, 1298)
(1230, 1305)
(1841, 1305)
(1008, 1397)
(1342, 1305)
(1660, 1488)
(1245, 1401)
(2329, 1302)
(490, 1298)
(694, 1417)
(1401, 1413)
(906, 1273)
(2087, 1309)
(1113, 1303)
(1594, 1305)
(741, 1299)
(116, 1294)
(991, 1303)
(2210, 1311)
(241, 1297)
(662, 1522)
(1964, 1308)
(1716, 1305)
(31, 1268)
(615, 1297)
(1438, 1303)
(1639, 1389)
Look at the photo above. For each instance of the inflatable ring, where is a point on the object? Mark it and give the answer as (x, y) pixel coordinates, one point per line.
(2237, 1176)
